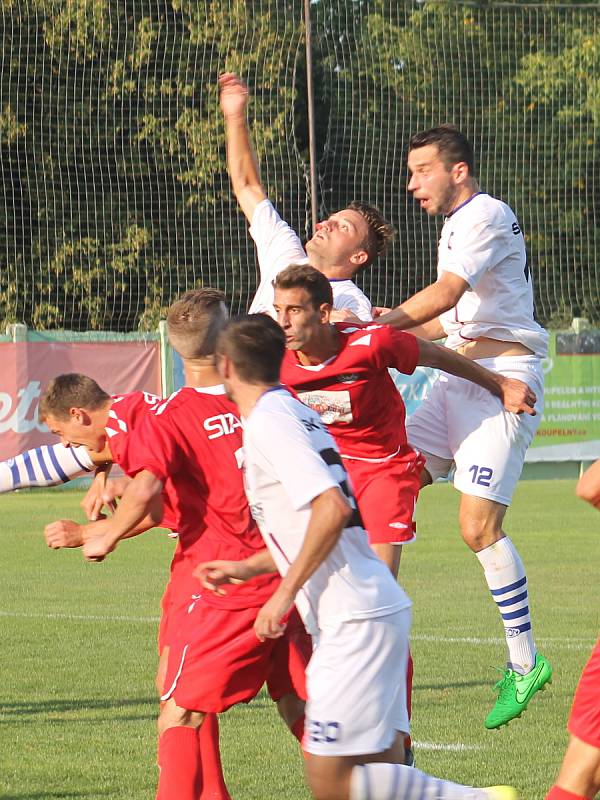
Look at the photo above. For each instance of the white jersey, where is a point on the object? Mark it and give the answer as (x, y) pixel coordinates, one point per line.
(290, 459)
(277, 247)
(482, 243)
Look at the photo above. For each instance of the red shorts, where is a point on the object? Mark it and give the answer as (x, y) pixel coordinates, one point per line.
(584, 720)
(386, 493)
(217, 659)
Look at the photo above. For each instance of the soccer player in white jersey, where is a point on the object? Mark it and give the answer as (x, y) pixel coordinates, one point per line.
(300, 495)
(345, 243)
(482, 302)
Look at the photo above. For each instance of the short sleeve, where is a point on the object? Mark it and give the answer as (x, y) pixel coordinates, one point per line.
(286, 450)
(152, 447)
(355, 301)
(470, 251)
(396, 349)
(277, 244)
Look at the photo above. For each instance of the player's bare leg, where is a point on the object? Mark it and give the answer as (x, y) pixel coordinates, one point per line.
(383, 776)
(291, 711)
(213, 781)
(527, 671)
(180, 776)
(579, 776)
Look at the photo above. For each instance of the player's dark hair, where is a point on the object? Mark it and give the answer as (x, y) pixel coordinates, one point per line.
(380, 232)
(255, 345)
(71, 390)
(303, 276)
(195, 320)
(452, 144)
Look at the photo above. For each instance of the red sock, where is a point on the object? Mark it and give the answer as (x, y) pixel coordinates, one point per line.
(298, 728)
(556, 793)
(180, 775)
(409, 683)
(213, 782)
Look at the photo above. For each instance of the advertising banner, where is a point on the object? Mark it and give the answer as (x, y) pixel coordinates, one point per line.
(27, 367)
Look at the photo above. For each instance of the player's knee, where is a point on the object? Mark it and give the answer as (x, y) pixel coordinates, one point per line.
(173, 716)
(479, 532)
(328, 781)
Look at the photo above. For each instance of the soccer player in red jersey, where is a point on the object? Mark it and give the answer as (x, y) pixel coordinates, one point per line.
(341, 371)
(189, 452)
(579, 776)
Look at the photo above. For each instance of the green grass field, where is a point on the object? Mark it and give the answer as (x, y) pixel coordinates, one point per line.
(77, 702)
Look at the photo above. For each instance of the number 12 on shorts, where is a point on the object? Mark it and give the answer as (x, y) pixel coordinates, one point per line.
(323, 731)
(481, 475)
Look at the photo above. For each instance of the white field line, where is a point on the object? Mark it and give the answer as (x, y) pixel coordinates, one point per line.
(457, 747)
(563, 643)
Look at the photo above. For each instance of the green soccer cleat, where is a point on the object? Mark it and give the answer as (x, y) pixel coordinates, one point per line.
(515, 691)
(501, 793)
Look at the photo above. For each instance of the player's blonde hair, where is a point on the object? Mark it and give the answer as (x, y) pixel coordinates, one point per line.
(195, 320)
(71, 390)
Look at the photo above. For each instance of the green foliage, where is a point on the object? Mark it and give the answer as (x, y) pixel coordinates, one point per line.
(115, 192)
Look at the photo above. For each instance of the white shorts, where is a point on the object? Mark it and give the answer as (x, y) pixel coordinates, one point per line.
(462, 423)
(356, 686)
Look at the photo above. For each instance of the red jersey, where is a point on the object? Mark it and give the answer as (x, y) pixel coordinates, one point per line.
(193, 444)
(353, 392)
(125, 414)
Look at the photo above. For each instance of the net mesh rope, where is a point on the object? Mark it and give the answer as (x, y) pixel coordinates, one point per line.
(115, 195)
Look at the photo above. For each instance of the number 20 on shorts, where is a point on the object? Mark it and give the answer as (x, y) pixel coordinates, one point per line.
(323, 731)
(481, 475)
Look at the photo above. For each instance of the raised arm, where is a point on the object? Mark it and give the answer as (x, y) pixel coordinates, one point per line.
(516, 396)
(428, 304)
(241, 159)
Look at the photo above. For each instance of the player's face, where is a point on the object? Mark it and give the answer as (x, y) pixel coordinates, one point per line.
(75, 430)
(300, 320)
(431, 183)
(339, 240)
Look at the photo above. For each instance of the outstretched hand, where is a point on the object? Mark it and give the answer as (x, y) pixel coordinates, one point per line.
(233, 95)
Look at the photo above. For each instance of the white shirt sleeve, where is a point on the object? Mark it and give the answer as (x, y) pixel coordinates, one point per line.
(349, 296)
(286, 449)
(471, 250)
(277, 244)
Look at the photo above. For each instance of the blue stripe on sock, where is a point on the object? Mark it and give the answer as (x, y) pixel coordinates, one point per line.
(526, 626)
(29, 466)
(511, 600)
(59, 470)
(510, 588)
(42, 462)
(16, 475)
(516, 614)
(74, 454)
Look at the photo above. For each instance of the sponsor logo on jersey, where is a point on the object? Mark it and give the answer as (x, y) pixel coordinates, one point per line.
(399, 525)
(221, 425)
(330, 406)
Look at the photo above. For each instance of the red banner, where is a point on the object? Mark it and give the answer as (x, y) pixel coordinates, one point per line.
(26, 368)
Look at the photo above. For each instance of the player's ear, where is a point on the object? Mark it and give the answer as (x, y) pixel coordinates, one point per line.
(359, 258)
(460, 172)
(77, 414)
(325, 310)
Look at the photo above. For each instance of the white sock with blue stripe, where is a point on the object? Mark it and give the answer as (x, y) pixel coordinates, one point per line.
(396, 782)
(505, 575)
(48, 465)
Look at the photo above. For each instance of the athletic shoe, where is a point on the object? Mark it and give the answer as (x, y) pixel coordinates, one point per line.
(515, 691)
(501, 793)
